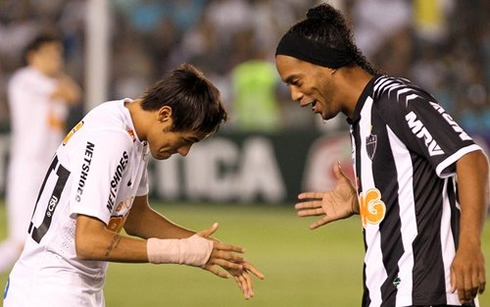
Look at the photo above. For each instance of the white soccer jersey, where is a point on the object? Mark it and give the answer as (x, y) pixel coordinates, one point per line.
(37, 128)
(33, 112)
(97, 171)
(405, 150)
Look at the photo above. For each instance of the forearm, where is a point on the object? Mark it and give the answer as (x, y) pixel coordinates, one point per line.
(95, 242)
(67, 91)
(472, 172)
(145, 222)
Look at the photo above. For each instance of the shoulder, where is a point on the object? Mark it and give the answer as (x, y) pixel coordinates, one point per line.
(108, 124)
(397, 90)
(31, 79)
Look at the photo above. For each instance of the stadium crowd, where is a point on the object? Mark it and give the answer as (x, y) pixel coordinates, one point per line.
(443, 45)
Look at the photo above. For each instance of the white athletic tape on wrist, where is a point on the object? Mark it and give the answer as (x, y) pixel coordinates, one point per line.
(194, 250)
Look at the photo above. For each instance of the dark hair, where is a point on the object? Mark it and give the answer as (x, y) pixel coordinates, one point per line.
(38, 42)
(194, 99)
(326, 25)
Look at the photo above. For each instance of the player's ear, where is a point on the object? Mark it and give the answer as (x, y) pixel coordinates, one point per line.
(164, 114)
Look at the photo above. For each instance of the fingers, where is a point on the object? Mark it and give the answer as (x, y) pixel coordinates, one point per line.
(244, 282)
(311, 195)
(216, 271)
(308, 205)
(241, 276)
(324, 220)
(482, 283)
(467, 285)
(249, 267)
(453, 280)
(225, 256)
(228, 247)
(337, 170)
(208, 232)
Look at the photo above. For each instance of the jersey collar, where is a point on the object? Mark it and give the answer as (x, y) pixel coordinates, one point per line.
(368, 90)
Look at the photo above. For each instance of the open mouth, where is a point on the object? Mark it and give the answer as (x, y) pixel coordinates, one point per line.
(312, 103)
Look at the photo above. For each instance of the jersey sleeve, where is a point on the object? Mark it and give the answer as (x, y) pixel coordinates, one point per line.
(100, 161)
(427, 129)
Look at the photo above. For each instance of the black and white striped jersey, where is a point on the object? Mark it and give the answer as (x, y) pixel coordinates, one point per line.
(404, 151)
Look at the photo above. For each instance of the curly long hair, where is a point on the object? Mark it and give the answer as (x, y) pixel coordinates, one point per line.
(328, 26)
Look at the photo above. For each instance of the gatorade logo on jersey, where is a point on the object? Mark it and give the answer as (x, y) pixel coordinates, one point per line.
(87, 160)
(422, 133)
(116, 179)
(372, 208)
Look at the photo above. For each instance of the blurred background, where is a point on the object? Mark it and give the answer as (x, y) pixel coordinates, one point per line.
(270, 150)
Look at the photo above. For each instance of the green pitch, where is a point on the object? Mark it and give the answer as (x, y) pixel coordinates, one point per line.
(302, 267)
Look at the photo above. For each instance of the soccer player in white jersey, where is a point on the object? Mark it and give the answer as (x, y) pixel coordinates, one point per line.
(39, 95)
(97, 184)
(422, 228)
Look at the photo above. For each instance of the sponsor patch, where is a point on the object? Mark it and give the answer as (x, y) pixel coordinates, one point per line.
(87, 160)
(372, 208)
(123, 162)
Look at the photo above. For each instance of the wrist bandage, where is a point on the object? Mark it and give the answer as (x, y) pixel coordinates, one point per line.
(194, 251)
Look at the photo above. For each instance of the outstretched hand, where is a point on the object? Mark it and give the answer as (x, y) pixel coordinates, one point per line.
(339, 203)
(224, 256)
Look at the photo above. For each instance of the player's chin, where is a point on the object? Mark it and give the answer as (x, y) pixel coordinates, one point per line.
(162, 155)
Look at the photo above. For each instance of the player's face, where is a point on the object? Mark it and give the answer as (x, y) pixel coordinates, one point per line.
(48, 58)
(164, 142)
(169, 143)
(310, 85)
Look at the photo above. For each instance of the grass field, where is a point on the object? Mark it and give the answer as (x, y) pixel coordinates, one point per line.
(302, 267)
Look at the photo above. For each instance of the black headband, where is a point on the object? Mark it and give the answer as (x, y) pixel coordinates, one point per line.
(310, 51)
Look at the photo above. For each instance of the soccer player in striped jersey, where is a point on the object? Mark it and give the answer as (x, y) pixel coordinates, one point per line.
(421, 185)
(97, 184)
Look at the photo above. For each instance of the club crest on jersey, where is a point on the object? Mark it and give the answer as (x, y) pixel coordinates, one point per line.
(371, 144)
(372, 208)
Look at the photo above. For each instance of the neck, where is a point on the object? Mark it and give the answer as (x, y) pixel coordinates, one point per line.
(353, 81)
(136, 113)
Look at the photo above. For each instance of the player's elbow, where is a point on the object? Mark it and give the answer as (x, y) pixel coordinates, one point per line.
(84, 250)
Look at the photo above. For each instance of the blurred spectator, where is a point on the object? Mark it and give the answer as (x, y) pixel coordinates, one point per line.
(430, 41)
(254, 84)
(476, 116)
(39, 95)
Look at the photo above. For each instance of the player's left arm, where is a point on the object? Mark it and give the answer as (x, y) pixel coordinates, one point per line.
(468, 269)
(144, 222)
